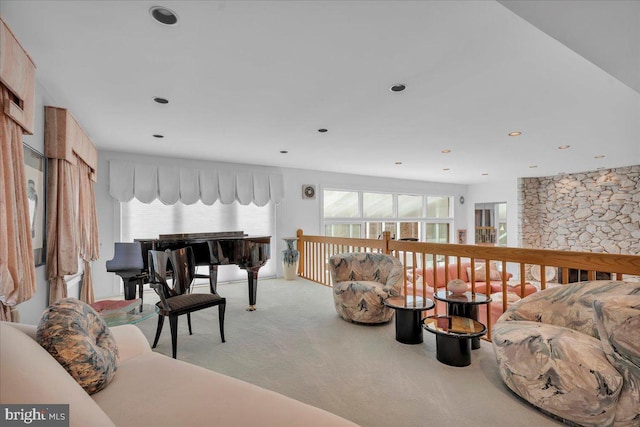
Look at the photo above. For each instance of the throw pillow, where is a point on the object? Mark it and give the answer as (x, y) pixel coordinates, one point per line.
(79, 339)
(549, 272)
(481, 275)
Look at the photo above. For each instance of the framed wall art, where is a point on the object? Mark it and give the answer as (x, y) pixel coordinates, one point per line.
(462, 236)
(35, 174)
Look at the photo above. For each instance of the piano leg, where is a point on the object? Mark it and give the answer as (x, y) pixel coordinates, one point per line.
(252, 274)
(130, 289)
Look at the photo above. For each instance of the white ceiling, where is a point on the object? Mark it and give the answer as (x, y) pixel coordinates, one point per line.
(246, 79)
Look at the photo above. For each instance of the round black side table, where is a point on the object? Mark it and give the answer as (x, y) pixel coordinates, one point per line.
(453, 337)
(409, 317)
(464, 305)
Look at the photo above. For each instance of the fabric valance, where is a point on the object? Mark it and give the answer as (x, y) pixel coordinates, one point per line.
(170, 184)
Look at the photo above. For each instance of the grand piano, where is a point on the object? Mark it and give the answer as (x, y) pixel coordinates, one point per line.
(210, 249)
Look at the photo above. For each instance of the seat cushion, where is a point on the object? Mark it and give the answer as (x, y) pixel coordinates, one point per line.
(361, 301)
(79, 339)
(155, 390)
(559, 370)
(191, 302)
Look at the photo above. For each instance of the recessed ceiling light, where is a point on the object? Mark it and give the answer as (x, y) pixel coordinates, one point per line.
(599, 156)
(283, 151)
(157, 135)
(163, 15)
(398, 87)
(397, 163)
(445, 151)
(485, 174)
(322, 130)
(515, 133)
(446, 169)
(533, 166)
(161, 100)
(564, 147)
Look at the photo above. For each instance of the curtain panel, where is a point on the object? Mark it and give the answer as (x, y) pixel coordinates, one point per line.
(88, 244)
(62, 248)
(72, 224)
(17, 267)
(170, 184)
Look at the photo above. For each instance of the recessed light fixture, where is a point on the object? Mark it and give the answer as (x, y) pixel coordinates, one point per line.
(398, 87)
(515, 133)
(322, 130)
(397, 163)
(157, 135)
(164, 15)
(446, 169)
(283, 151)
(533, 166)
(563, 147)
(445, 151)
(599, 156)
(485, 174)
(160, 100)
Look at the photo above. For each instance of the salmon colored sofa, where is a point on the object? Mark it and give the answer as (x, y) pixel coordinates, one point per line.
(514, 292)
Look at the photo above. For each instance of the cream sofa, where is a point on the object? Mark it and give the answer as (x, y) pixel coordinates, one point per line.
(148, 389)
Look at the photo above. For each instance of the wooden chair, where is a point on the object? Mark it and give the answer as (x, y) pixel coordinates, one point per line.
(177, 299)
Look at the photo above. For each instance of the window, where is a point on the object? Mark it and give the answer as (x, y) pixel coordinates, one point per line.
(410, 206)
(405, 216)
(377, 205)
(438, 207)
(341, 204)
(439, 214)
(147, 221)
(342, 230)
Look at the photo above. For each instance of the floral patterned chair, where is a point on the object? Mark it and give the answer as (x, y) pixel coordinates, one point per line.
(574, 352)
(361, 283)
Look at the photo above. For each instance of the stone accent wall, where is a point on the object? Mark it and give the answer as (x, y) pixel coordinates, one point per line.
(596, 211)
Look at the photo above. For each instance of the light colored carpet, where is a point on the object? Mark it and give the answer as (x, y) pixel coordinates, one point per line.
(296, 344)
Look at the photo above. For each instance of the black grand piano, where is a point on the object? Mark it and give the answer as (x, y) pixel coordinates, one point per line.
(210, 249)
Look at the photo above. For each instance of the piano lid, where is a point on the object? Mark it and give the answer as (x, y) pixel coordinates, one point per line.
(213, 235)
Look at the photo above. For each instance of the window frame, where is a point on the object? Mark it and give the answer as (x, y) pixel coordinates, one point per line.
(363, 221)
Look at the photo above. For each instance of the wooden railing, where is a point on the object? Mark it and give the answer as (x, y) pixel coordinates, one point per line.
(315, 252)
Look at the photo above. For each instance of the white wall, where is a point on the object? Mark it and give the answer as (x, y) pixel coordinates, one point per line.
(292, 213)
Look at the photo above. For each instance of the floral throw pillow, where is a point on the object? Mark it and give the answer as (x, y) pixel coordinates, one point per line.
(79, 339)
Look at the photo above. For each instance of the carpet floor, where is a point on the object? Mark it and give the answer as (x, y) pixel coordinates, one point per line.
(296, 344)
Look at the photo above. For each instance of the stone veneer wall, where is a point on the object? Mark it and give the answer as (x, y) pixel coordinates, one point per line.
(596, 211)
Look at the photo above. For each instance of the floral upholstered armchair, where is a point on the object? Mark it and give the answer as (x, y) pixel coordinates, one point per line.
(361, 283)
(574, 352)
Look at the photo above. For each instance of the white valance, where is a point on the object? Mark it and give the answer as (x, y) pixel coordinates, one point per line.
(169, 184)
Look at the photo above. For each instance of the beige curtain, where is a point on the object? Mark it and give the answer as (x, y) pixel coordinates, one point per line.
(87, 228)
(17, 270)
(62, 250)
